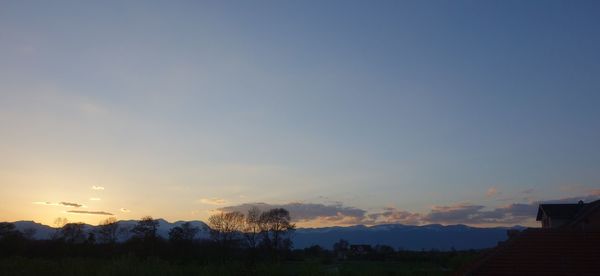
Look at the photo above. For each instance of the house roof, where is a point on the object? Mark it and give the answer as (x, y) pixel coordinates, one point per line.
(559, 211)
(542, 252)
(585, 212)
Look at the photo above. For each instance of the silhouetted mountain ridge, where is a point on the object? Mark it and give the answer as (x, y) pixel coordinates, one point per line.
(409, 237)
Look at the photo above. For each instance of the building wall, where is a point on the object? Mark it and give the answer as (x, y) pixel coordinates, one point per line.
(592, 222)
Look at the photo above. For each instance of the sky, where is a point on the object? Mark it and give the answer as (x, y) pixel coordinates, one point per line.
(343, 112)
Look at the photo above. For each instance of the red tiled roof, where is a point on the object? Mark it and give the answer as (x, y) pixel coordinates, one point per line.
(542, 252)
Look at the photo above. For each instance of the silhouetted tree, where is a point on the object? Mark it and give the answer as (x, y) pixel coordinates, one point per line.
(58, 225)
(8, 230)
(11, 239)
(276, 228)
(73, 232)
(145, 229)
(252, 227)
(184, 233)
(340, 248)
(29, 233)
(108, 230)
(383, 252)
(225, 227)
(91, 238)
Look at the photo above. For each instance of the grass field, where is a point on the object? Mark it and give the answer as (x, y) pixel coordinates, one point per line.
(154, 266)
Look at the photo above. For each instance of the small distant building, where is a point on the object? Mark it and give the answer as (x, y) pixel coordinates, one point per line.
(360, 249)
(567, 244)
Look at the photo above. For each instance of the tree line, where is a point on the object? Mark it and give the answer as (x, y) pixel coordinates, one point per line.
(256, 231)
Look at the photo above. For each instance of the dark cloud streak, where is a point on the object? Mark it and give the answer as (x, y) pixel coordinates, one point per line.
(90, 212)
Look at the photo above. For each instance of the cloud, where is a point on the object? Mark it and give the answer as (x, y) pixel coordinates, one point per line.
(314, 214)
(213, 201)
(94, 199)
(97, 188)
(90, 212)
(62, 203)
(70, 204)
(394, 215)
(306, 212)
(46, 203)
(124, 210)
(465, 213)
(491, 192)
(459, 213)
(508, 214)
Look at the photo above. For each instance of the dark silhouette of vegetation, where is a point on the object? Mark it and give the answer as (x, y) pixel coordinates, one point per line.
(253, 244)
(184, 233)
(225, 228)
(276, 227)
(73, 233)
(145, 230)
(108, 230)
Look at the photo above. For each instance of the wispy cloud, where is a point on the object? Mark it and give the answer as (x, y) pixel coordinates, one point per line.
(46, 203)
(491, 192)
(97, 188)
(124, 210)
(90, 212)
(62, 203)
(70, 204)
(213, 201)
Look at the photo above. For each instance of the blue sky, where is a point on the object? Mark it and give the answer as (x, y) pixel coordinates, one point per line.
(180, 108)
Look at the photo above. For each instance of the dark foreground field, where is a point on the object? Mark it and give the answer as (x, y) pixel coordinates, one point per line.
(156, 266)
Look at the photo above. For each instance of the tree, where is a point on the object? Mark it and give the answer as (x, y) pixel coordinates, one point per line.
(252, 227)
(108, 230)
(145, 229)
(73, 232)
(29, 233)
(184, 233)
(8, 230)
(224, 227)
(58, 225)
(276, 227)
(341, 246)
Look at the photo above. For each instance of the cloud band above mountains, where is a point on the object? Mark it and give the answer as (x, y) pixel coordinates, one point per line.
(460, 213)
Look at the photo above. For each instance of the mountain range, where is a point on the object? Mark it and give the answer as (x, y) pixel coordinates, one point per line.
(399, 236)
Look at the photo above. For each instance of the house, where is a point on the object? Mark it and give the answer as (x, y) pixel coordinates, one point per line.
(360, 249)
(556, 215)
(568, 243)
(580, 215)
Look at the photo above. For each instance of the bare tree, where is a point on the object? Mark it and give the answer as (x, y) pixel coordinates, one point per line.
(276, 227)
(108, 230)
(252, 227)
(224, 227)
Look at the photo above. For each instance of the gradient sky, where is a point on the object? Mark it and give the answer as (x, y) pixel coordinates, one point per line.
(344, 111)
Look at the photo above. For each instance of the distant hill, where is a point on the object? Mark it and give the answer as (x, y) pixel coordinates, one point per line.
(409, 237)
